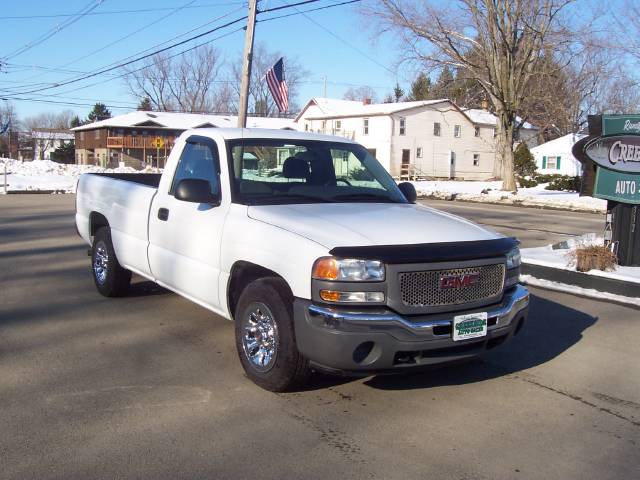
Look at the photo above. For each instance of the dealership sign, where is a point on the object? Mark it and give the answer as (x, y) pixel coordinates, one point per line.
(621, 187)
(620, 152)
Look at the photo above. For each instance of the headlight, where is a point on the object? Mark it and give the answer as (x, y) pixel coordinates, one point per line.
(513, 258)
(348, 270)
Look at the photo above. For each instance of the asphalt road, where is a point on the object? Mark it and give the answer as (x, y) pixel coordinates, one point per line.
(149, 386)
(533, 226)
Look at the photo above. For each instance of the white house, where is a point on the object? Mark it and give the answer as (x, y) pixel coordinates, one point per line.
(431, 138)
(527, 132)
(47, 140)
(555, 156)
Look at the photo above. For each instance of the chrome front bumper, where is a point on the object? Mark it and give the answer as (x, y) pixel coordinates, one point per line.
(333, 337)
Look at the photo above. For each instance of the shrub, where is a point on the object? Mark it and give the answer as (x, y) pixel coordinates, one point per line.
(523, 162)
(590, 257)
(546, 177)
(565, 183)
(526, 182)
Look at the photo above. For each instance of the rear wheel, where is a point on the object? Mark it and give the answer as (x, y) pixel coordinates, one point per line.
(111, 279)
(265, 337)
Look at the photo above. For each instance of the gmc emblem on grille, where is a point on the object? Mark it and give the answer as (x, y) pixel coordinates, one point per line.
(458, 281)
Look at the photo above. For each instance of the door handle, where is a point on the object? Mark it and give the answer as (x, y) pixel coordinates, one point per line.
(163, 214)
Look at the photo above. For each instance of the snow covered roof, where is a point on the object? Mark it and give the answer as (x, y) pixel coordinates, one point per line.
(485, 117)
(51, 134)
(560, 144)
(183, 121)
(333, 108)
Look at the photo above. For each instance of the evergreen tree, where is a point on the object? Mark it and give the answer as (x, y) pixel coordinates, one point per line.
(444, 87)
(523, 161)
(64, 153)
(75, 122)
(99, 112)
(145, 105)
(398, 93)
(420, 88)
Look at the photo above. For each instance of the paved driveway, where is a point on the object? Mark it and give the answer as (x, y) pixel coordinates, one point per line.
(149, 386)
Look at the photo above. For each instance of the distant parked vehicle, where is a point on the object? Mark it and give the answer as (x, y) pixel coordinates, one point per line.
(308, 244)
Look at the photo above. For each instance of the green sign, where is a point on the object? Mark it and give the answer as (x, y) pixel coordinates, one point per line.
(621, 187)
(620, 124)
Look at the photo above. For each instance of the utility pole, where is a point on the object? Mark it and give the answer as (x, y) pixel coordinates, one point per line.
(324, 86)
(247, 57)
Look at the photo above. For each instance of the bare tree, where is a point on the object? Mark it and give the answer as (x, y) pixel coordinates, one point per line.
(260, 99)
(499, 44)
(185, 83)
(361, 94)
(48, 121)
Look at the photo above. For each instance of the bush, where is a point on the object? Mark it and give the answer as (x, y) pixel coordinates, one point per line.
(526, 182)
(565, 183)
(546, 178)
(593, 257)
(523, 162)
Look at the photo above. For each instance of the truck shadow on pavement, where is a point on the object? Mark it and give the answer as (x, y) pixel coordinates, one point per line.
(551, 329)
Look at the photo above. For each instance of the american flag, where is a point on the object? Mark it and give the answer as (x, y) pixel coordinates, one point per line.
(278, 86)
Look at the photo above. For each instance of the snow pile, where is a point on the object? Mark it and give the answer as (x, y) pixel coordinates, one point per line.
(46, 175)
(558, 256)
(489, 192)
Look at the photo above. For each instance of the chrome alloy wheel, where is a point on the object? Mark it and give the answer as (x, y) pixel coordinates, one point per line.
(100, 263)
(260, 337)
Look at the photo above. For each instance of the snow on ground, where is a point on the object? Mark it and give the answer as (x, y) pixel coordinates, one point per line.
(557, 256)
(47, 175)
(535, 197)
(572, 289)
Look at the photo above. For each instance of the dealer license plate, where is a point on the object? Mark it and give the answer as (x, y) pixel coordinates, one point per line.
(468, 326)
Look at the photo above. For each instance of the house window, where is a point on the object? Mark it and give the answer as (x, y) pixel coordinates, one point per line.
(476, 132)
(81, 135)
(97, 134)
(324, 125)
(403, 126)
(495, 132)
(306, 127)
(551, 163)
(436, 129)
(338, 124)
(365, 126)
(457, 129)
(419, 152)
(476, 159)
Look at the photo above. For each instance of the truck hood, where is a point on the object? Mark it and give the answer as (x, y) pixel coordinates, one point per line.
(356, 224)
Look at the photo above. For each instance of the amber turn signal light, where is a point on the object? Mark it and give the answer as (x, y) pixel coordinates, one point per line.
(325, 269)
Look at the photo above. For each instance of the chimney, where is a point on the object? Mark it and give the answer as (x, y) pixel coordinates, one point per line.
(366, 101)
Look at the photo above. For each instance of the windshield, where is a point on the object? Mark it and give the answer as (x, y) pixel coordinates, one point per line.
(270, 172)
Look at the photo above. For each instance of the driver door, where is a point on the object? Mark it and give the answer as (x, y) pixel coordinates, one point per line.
(185, 237)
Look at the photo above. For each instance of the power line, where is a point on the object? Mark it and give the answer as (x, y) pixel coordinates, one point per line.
(124, 64)
(116, 12)
(50, 33)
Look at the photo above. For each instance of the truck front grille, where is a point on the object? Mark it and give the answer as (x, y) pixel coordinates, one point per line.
(457, 286)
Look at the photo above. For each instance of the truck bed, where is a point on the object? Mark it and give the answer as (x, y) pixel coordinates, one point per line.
(148, 179)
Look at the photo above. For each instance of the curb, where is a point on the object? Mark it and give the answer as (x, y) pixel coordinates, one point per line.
(453, 198)
(582, 280)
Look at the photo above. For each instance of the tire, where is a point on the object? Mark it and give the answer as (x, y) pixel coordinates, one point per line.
(264, 326)
(110, 278)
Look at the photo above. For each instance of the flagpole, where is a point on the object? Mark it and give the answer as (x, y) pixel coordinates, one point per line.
(246, 64)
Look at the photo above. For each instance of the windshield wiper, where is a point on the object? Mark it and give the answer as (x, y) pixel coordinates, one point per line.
(282, 198)
(371, 197)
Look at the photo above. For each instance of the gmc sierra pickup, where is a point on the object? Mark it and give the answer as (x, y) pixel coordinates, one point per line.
(306, 242)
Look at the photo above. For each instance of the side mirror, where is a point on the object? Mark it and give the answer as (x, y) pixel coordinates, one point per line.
(196, 190)
(409, 191)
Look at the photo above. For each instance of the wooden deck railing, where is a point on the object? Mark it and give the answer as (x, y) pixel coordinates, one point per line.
(139, 142)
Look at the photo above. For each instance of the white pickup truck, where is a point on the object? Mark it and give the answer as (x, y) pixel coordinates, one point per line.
(308, 244)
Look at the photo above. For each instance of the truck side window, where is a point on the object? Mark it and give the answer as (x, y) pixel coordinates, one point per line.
(197, 161)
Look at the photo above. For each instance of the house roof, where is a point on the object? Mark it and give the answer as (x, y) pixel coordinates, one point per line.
(332, 108)
(52, 134)
(183, 121)
(485, 117)
(560, 144)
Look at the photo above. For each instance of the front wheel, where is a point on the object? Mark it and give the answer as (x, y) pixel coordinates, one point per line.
(265, 337)
(111, 279)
